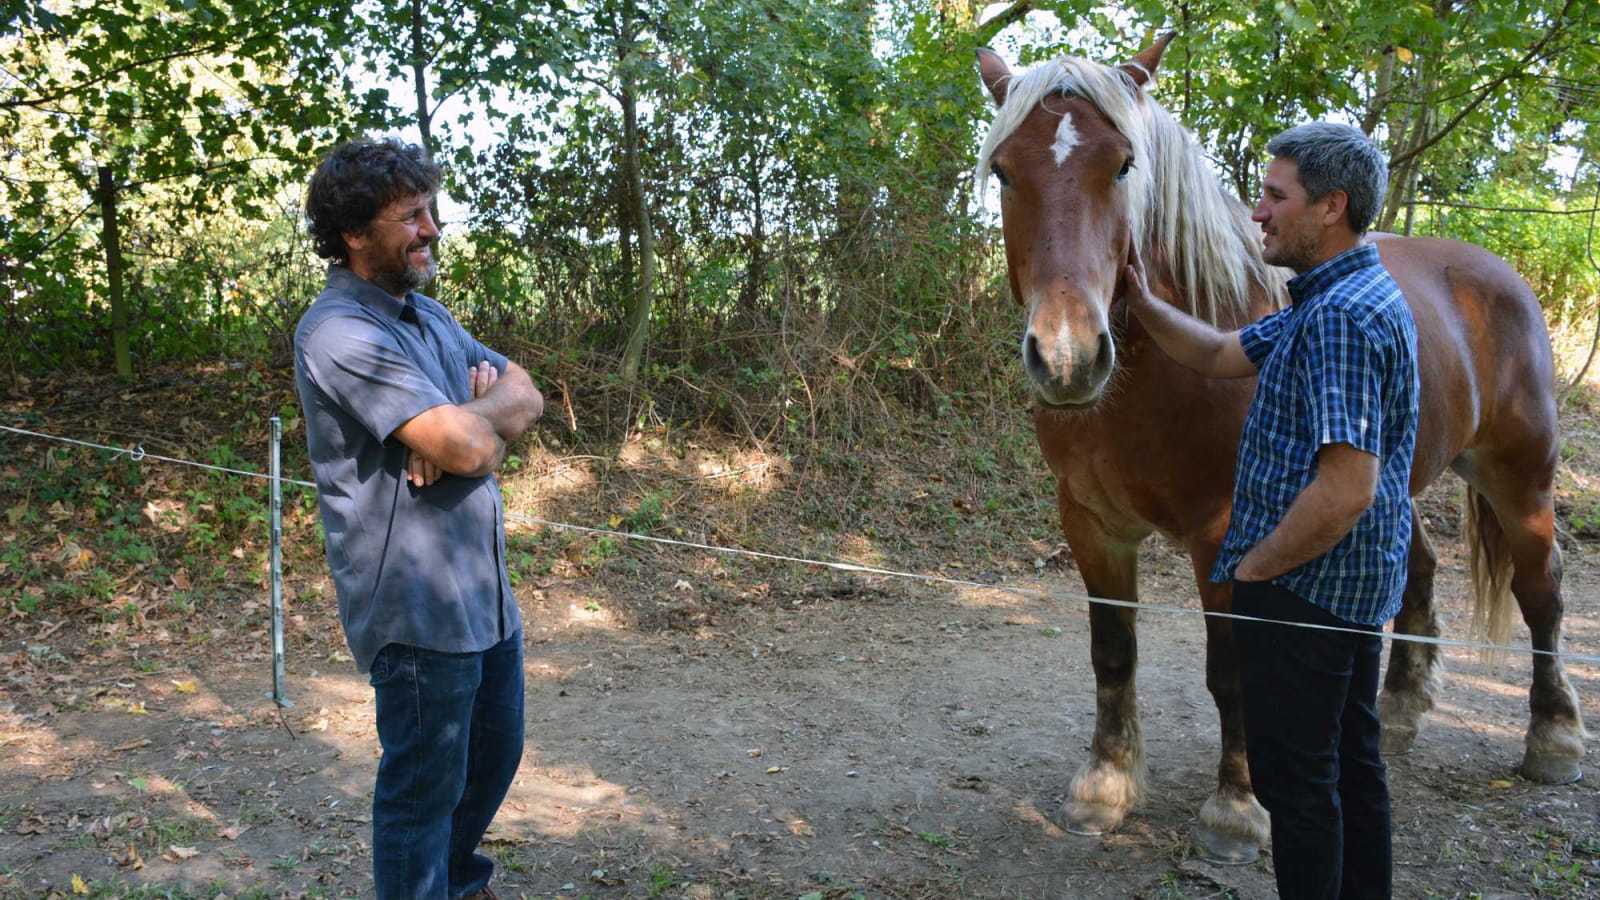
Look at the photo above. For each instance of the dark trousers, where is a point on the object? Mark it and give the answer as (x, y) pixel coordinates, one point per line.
(1311, 730)
(452, 731)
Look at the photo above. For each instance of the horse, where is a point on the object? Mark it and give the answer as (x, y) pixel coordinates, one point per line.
(1088, 162)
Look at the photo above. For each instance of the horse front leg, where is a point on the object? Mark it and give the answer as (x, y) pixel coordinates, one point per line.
(1413, 677)
(1233, 825)
(1113, 778)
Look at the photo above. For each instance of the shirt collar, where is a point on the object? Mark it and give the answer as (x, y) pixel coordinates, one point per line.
(375, 298)
(1310, 284)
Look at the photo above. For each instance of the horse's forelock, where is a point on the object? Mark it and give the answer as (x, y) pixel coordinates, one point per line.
(1212, 245)
(1105, 87)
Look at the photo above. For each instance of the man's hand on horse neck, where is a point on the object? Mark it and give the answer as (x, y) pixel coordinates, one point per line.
(1195, 344)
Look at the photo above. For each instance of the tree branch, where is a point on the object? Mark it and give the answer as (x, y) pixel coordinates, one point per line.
(1505, 209)
(271, 20)
(996, 24)
(1533, 53)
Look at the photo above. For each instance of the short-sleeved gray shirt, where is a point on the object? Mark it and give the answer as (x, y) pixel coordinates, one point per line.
(418, 566)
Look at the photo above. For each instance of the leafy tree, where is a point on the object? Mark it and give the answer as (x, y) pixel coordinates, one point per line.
(149, 113)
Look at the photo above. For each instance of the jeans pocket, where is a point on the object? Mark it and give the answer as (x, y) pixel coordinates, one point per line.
(380, 666)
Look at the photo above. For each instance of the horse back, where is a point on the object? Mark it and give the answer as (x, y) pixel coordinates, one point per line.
(1483, 357)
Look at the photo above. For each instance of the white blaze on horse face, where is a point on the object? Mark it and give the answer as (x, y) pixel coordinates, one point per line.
(1066, 139)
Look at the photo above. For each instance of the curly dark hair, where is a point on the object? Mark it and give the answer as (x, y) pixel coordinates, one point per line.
(355, 182)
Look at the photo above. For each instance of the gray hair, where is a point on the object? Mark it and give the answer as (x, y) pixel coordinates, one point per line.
(1337, 158)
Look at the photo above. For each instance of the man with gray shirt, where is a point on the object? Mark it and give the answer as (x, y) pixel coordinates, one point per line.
(407, 418)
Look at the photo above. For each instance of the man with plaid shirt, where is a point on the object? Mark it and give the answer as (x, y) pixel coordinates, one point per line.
(1321, 523)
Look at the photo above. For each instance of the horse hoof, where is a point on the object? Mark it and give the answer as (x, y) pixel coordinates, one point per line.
(1397, 741)
(1089, 821)
(1551, 769)
(1222, 849)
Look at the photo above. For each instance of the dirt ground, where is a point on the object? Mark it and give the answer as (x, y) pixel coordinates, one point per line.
(861, 735)
(709, 726)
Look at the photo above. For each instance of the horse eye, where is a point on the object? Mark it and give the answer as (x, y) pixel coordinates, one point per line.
(1126, 168)
(995, 171)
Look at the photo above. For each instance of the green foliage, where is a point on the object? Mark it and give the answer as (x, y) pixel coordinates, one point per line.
(196, 111)
(805, 166)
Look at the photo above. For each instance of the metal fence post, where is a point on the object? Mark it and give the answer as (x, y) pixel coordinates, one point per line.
(275, 566)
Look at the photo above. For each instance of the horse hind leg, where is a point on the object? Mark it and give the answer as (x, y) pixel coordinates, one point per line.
(1523, 528)
(1412, 679)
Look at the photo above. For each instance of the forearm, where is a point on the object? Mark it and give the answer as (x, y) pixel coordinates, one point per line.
(1314, 523)
(453, 439)
(1193, 343)
(511, 405)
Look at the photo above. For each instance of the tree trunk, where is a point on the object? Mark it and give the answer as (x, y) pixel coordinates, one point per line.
(644, 289)
(419, 80)
(119, 304)
(419, 77)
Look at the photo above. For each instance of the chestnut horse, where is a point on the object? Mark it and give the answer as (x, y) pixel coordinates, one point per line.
(1088, 162)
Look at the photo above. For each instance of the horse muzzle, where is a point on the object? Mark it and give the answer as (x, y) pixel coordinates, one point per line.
(1068, 374)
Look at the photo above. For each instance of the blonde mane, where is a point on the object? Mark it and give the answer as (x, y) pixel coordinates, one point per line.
(1178, 209)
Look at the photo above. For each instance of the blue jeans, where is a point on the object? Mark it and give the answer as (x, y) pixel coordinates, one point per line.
(1311, 733)
(451, 727)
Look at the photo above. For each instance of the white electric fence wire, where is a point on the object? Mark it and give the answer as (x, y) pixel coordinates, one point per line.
(138, 454)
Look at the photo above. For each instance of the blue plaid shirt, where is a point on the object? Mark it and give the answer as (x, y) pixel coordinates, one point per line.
(1339, 365)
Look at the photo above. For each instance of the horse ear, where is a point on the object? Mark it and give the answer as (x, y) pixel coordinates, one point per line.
(1143, 66)
(995, 73)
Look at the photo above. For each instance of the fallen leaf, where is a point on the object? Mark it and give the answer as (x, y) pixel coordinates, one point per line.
(185, 687)
(74, 556)
(78, 887)
(129, 860)
(134, 745)
(774, 770)
(1499, 783)
(232, 832)
(182, 852)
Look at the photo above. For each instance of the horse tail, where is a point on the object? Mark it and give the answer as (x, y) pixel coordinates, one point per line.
(1490, 557)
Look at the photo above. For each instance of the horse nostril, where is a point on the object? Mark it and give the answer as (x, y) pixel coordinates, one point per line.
(1106, 355)
(1031, 360)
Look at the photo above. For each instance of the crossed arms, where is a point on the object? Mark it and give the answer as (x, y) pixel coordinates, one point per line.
(470, 439)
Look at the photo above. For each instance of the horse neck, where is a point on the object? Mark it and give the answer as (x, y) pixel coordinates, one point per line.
(1163, 283)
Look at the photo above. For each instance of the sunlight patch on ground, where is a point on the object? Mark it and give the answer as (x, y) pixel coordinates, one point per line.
(1494, 683)
(1028, 816)
(566, 802)
(987, 598)
(1483, 723)
(40, 751)
(544, 671)
(863, 551)
(585, 616)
